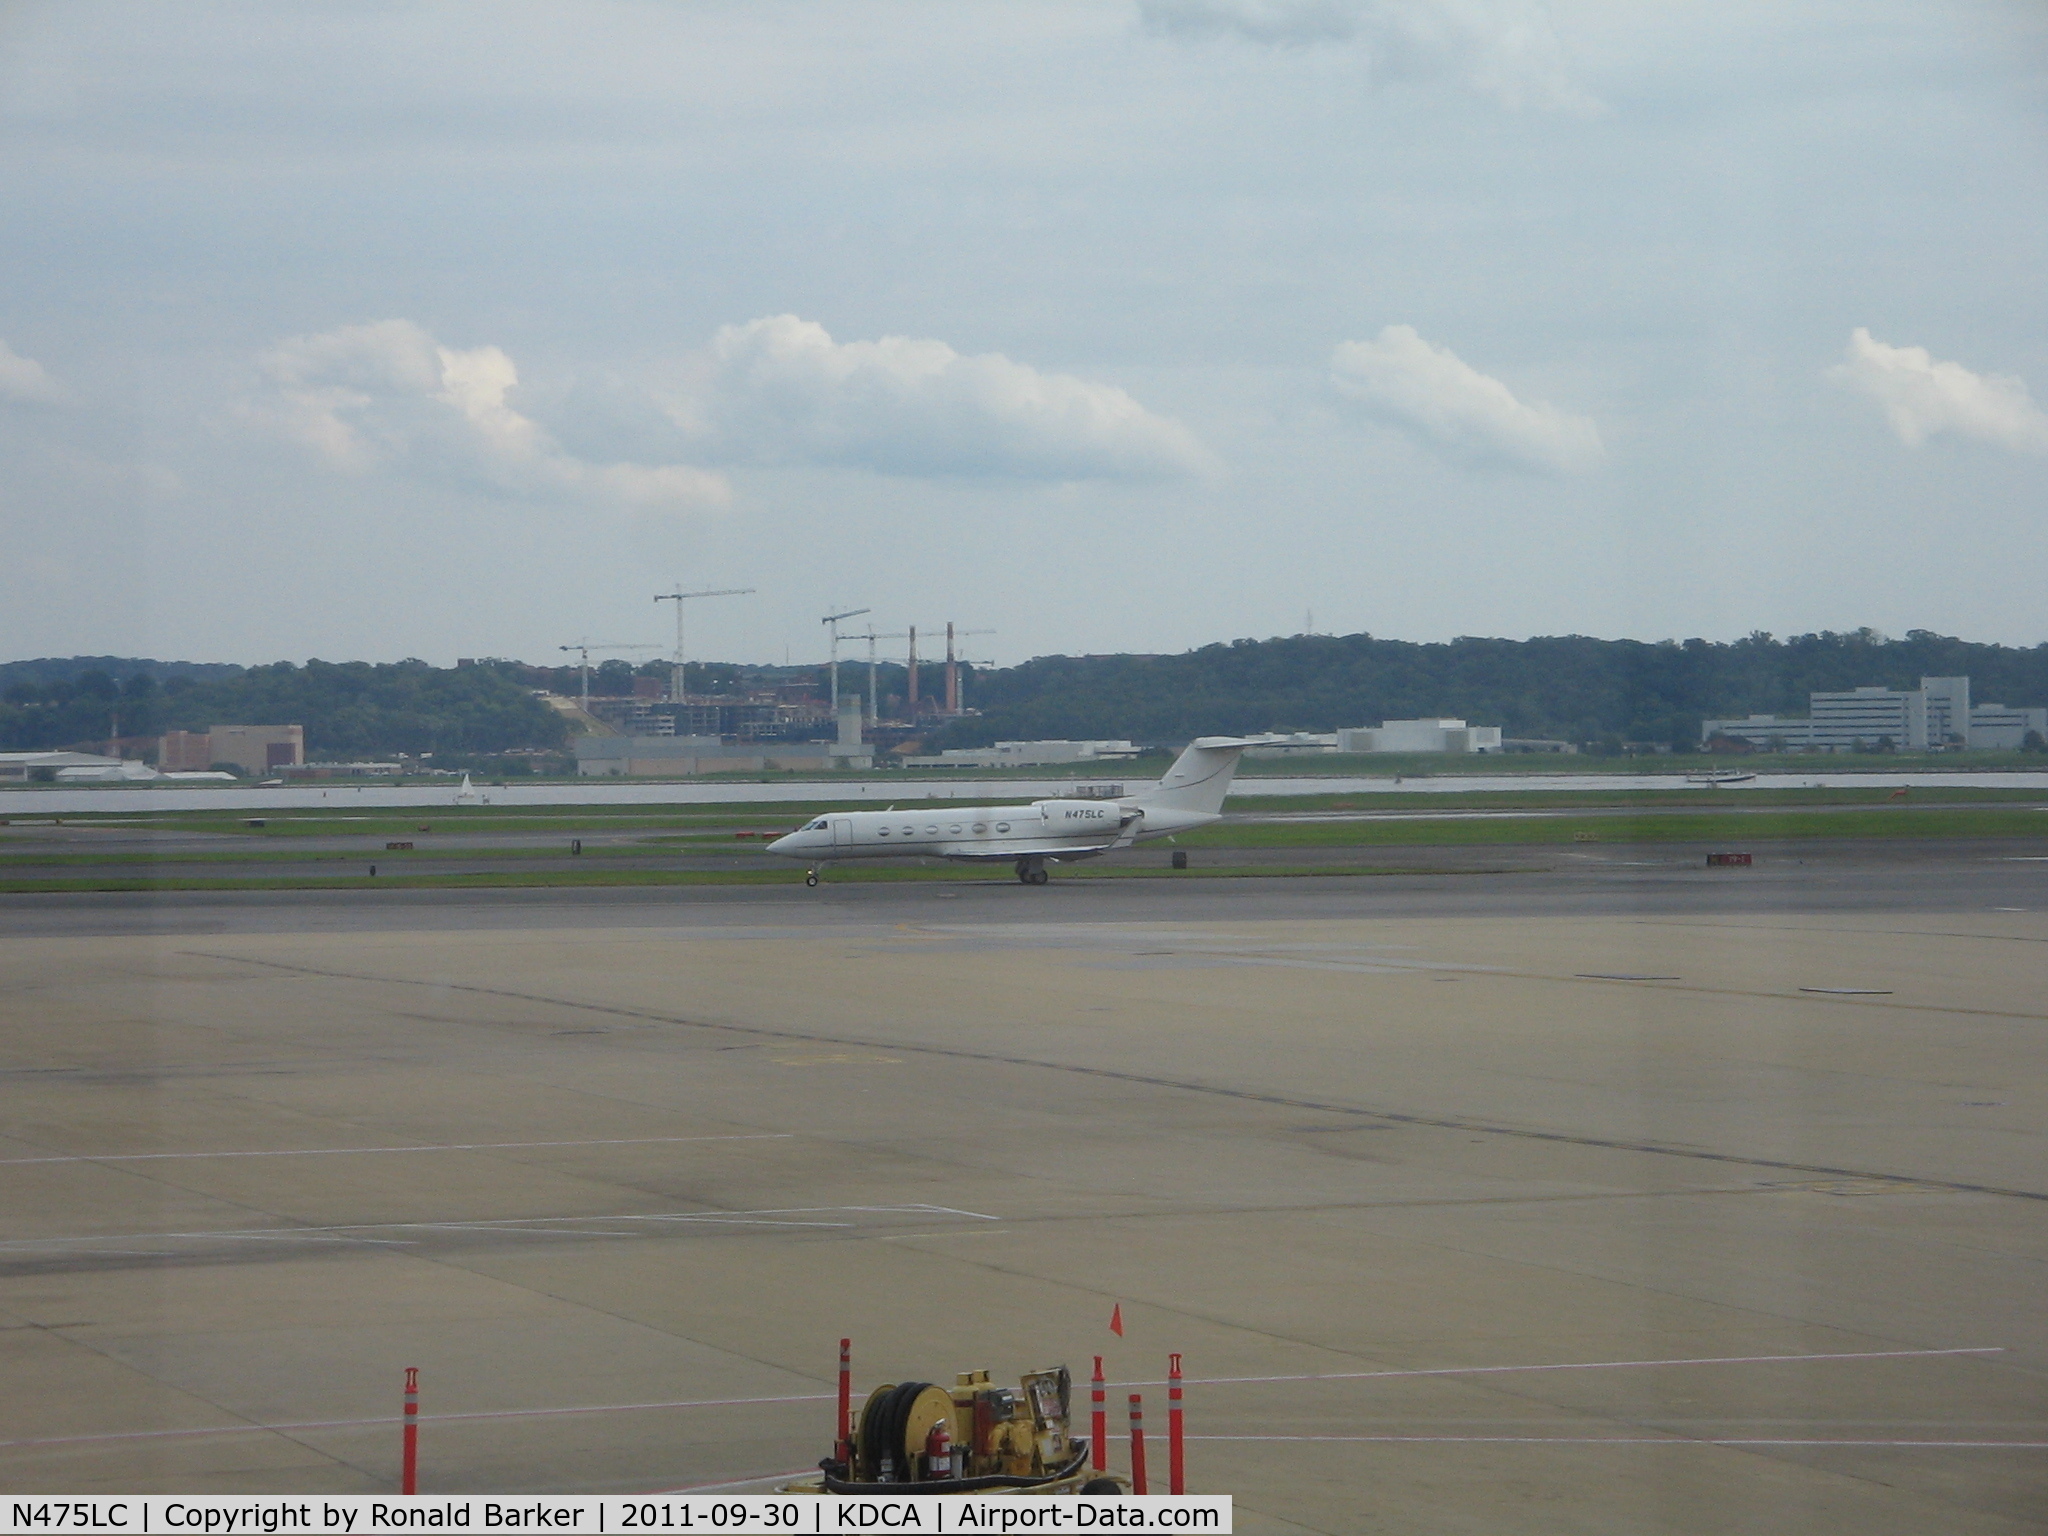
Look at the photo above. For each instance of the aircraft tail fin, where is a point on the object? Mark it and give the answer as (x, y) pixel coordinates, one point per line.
(1200, 776)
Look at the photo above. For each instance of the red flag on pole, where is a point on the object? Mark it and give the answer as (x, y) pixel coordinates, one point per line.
(1116, 1320)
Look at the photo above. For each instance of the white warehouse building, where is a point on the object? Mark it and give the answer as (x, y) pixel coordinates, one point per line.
(1428, 735)
(1026, 754)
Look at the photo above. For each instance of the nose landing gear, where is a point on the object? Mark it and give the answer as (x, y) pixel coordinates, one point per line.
(811, 877)
(1032, 871)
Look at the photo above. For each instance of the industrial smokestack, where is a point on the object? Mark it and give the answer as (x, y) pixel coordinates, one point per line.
(952, 674)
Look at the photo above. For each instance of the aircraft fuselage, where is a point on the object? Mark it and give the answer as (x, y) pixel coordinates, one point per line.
(1189, 796)
(1054, 829)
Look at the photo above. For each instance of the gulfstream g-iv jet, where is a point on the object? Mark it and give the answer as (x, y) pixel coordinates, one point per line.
(1030, 836)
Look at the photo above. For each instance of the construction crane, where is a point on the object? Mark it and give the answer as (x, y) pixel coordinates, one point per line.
(961, 688)
(874, 698)
(953, 666)
(831, 620)
(679, 674)
(583, 648)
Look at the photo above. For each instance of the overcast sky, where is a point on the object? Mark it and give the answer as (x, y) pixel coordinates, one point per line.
(376, 330)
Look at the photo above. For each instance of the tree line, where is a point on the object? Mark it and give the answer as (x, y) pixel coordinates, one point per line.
(348, 709)
(1572, 687)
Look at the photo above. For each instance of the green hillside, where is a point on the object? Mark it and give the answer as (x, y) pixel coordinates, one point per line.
(349, 709)
(1570, 687)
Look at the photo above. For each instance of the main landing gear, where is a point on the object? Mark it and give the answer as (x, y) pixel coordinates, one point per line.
(1032, 871)
(811, 877)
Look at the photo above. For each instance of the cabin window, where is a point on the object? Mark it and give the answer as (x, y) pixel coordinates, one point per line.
(881, 832)
(1002, 826)
(980, 826)
(931, 831)
(956, 829)
(909, 831)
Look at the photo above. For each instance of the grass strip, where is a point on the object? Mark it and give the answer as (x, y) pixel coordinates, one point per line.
(774, 819)
(1675, 798)
(367, 855)
(1713, 826)
(1703, 827)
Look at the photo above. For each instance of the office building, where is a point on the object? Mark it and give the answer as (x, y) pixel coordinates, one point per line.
(1870, 715)
(1948, 710)
(1937, 714)
(1996, 728)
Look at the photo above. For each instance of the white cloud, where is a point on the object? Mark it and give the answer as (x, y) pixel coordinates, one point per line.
(1448, 404)
(369, 396)
(1921, 397)
(781, 390)
(1506, 49)
(26, 382)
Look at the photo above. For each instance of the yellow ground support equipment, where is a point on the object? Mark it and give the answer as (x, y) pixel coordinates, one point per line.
(976, 1437)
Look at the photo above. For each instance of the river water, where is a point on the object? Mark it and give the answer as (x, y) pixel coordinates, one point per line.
(72, 801)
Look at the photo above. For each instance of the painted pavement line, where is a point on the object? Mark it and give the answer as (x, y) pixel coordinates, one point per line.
(474, 1146)
(507, 1223)
(1590, 1365)
(822, 1397)
(1981, 1445)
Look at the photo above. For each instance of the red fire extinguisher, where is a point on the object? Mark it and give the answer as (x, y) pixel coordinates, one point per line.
(938, 1452)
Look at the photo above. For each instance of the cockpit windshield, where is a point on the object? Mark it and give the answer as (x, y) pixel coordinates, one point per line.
(816, 826)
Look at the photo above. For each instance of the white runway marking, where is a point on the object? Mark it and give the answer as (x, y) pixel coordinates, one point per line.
(1981, 1445)
(1588, 1365)
(466, 1146)
(384, 1421)
(425, 1418)
(547, 1226)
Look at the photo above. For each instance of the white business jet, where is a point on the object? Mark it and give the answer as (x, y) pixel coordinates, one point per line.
(1190, 796)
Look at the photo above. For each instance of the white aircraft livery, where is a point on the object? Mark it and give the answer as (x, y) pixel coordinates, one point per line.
(1190, 796)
